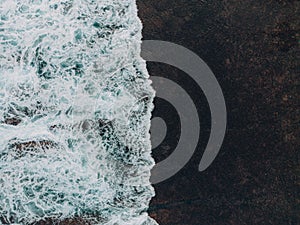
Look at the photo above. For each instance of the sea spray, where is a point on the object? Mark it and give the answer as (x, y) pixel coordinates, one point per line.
(75, 104)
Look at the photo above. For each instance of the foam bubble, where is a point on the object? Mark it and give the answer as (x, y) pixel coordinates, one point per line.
(75, 103)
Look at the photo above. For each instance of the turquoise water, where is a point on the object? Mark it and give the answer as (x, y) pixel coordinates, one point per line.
(75, 103)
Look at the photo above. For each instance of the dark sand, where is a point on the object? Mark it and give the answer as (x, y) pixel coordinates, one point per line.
(253, 49)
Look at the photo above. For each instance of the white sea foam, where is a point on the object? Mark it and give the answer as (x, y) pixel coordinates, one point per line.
(75, 103)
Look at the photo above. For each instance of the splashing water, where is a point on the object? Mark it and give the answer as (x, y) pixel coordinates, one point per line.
(75, 103)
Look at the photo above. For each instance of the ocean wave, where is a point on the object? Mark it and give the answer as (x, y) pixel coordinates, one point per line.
(75, 104)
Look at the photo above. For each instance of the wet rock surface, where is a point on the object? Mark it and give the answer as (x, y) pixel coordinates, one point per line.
(253, 49)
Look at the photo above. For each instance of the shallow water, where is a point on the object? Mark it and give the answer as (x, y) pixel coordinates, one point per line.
(75, 112)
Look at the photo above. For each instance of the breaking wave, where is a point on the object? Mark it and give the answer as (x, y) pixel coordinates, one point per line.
(75, 104)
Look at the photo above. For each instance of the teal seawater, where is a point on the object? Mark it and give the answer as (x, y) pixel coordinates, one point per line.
(75, 108)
